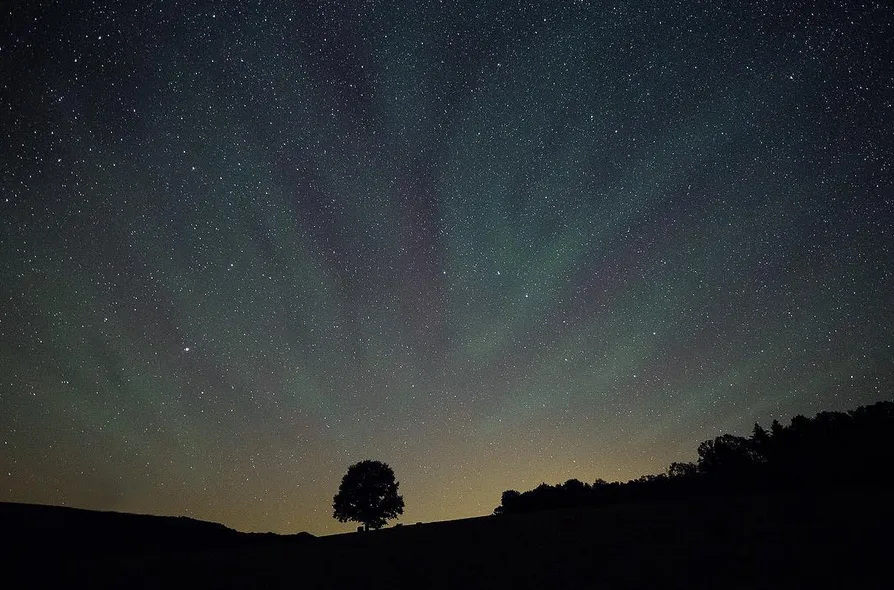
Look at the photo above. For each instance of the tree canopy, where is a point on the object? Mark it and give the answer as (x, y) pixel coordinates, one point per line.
(368, 495)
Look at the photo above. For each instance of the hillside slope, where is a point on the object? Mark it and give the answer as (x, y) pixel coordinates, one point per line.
(779, 541)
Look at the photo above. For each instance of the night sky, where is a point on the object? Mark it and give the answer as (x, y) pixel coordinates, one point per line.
(246, 244)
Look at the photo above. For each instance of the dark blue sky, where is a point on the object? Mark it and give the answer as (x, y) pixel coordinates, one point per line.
(244, 245)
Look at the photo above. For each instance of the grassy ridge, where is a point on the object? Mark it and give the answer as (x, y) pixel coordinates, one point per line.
(752, 541)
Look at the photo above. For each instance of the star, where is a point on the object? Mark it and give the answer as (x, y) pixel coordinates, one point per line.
(642, 174)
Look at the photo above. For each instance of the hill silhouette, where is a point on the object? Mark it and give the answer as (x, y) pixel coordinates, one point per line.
(791, 507)
(75, 539)
(819, 540)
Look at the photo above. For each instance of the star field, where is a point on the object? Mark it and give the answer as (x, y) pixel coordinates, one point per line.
(244, 245)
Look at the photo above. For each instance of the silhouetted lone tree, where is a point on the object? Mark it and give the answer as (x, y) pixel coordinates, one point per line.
(368, 494)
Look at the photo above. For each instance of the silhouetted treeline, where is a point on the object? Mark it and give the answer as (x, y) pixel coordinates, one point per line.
(833, 450)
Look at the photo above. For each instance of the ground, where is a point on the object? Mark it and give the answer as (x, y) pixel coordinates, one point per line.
(779, 541)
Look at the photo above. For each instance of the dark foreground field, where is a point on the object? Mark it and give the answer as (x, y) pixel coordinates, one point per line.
(827, 541)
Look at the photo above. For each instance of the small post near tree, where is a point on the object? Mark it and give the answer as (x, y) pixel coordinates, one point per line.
(368, 495)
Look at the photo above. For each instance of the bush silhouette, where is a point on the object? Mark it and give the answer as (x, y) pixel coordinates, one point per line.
(368, 495)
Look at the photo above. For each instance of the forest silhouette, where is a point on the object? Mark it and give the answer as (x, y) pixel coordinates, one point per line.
(843, 451)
